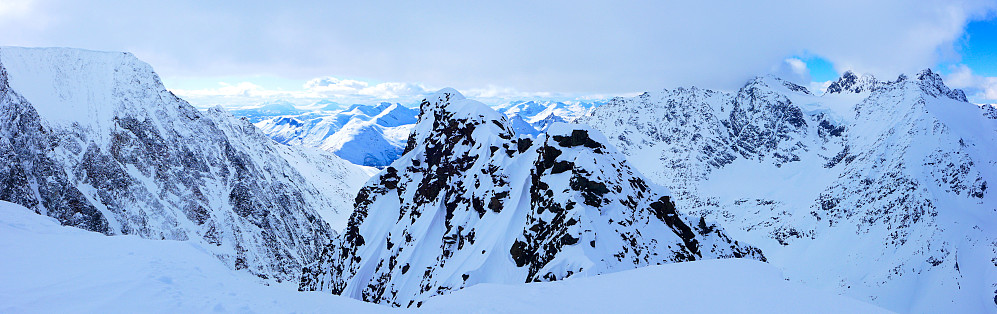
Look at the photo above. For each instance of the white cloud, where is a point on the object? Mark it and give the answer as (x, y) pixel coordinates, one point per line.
(494, 92)
(980, 89)
(247, 94)
(819, 87)
(349, 91)
(494, 95)
(793, 70)
(333, 87)
(394, 90)
(241, 89)
(13, 8)
(564, 46)
(798, 66)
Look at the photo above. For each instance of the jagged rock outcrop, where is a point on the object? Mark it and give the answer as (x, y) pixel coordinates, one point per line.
(879, 190)
(849, 82)
(94, 140)
(471, 202)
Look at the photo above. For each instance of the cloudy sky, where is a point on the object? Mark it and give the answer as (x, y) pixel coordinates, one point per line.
(245, 52)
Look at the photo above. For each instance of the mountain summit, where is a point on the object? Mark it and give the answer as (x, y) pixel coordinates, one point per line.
(94, 140)
(882, 191)
(471, 202)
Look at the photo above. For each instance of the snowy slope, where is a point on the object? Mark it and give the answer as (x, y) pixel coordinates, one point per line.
(877, 190)
(58, 269)
(94, 140)
(470, 202)
(127, 274)
(521, 127)
(363, 135)
(712, 286)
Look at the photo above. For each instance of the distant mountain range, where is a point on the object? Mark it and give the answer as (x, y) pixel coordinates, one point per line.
(375, 135)
(540, 114)
(268, 110)
(364, 135)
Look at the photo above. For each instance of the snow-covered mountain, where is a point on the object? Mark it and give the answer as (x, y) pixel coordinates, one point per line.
(877, 190)
(94, 140)
(364, 135)
(521, 127)
(267, 110)
(542, 113)
(127, 274)
(989, 110)
(471, 202)
(375, 135)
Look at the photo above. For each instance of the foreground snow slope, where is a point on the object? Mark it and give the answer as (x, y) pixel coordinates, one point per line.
(710, 286)
(50, 268)
(96, 141)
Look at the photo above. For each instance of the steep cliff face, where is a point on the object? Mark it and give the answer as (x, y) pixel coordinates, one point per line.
(875, 189)
(471, 202)
(94, 140)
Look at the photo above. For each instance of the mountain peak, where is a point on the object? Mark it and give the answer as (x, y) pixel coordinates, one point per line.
(446, 93)
(77, 86)
(94, 140)
(934, 85)
(451, 101)
(468, 199)
(449, 112)
(852, 83)
(773, 81)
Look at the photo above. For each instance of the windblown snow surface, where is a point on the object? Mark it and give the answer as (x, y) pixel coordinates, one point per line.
(49, 268)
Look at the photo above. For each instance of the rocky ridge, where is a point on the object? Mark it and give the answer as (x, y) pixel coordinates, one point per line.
(472, 202)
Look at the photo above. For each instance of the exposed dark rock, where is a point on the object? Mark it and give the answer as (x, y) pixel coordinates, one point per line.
(155, 166)
(577, 138)
(523, 144)
(450, 178)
